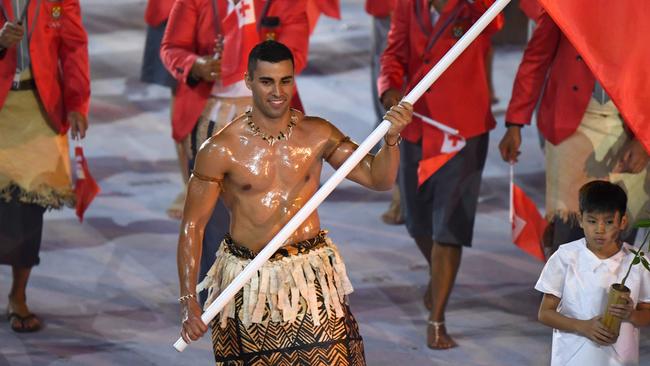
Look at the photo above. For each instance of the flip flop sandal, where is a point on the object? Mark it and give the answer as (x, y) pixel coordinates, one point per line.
(23, 321)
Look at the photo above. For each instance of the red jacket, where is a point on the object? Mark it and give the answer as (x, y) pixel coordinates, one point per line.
(380, 8)
(157, 11)
(460, 98)
(58, 51)
(191, 33)
(531, 8)
(552, 64)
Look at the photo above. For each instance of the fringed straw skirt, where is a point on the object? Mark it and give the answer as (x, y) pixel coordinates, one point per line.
(293, 312)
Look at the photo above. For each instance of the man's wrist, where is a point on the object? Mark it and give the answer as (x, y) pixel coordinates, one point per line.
(392, 141)
(516, 125)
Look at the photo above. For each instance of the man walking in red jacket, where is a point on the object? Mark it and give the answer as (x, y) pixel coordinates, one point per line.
(440, 211)
(586, 138)
(44, 91)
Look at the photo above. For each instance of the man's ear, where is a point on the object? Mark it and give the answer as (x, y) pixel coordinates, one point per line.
(248, 79)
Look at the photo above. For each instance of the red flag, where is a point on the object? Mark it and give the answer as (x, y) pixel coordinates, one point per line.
(617, 54)
(240, 36)
(527, 224)
(440, 145)
(85, 188)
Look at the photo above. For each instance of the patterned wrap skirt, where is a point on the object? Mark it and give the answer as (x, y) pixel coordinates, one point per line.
(591, 153)
(293, 312)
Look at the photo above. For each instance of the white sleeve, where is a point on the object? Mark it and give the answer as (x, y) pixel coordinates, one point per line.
(551, 281)
(644, 287)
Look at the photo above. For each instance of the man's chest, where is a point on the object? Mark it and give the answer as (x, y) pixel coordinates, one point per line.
(257, 169)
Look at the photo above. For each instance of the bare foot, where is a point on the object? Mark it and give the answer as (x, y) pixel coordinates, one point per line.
(393, 216)
(437, 337)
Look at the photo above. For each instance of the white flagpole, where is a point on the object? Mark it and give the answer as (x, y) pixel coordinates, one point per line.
(231, 290)
(512, 182)
(436, 124)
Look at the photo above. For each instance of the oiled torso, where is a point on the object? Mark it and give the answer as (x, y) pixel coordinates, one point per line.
(264, 186)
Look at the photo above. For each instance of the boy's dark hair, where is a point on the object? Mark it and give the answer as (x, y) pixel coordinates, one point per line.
(602, 196)
(269, 51)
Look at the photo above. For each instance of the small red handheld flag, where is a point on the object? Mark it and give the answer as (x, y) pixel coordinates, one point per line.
(85, 187)
(527, 223)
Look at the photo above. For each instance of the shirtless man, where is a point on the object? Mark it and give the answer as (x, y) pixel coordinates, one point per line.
(265, 165)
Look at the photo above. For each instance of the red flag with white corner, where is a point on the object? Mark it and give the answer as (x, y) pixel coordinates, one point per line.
(528, 225)
(85, 187)
(240, 36)
(442, 144)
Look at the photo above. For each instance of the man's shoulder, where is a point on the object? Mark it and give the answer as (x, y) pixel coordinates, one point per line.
(315, 121)
(228, 136)
(318, 127)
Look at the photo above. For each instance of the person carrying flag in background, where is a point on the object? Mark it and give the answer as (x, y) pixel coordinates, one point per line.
(44, 92)
(586, 137)
(205, 47)
(440, 172)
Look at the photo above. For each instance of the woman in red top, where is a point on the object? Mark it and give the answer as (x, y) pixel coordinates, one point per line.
(44, 92)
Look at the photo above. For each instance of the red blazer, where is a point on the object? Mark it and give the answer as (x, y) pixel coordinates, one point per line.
(552, 64)
(380, 8)
(531, 8)
(59, 56)
(460, 98)
(191, 33)
(157, 11)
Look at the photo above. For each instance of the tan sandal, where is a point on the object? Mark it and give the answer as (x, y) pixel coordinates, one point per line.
(437, 337)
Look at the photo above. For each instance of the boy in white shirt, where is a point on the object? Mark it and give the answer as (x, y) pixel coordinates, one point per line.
(576, 279)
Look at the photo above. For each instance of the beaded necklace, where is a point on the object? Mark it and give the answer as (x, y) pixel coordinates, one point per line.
(283, 135)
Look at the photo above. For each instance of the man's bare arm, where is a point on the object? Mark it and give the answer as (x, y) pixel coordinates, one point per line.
(591, 328)
(375, 172)
(203, 190)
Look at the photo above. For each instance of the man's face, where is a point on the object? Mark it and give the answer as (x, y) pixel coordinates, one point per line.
(272, 86)
(603, 229)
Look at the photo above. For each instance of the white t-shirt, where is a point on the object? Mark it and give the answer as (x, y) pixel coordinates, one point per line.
(581, 280)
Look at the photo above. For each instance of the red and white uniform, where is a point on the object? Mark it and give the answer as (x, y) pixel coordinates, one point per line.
(460, 98)
(567, 89)
(59, 59)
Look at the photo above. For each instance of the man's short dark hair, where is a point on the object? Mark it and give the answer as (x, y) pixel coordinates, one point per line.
(269, 51)
(601, 196)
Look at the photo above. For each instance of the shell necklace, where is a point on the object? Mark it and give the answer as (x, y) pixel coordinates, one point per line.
(283, 135)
